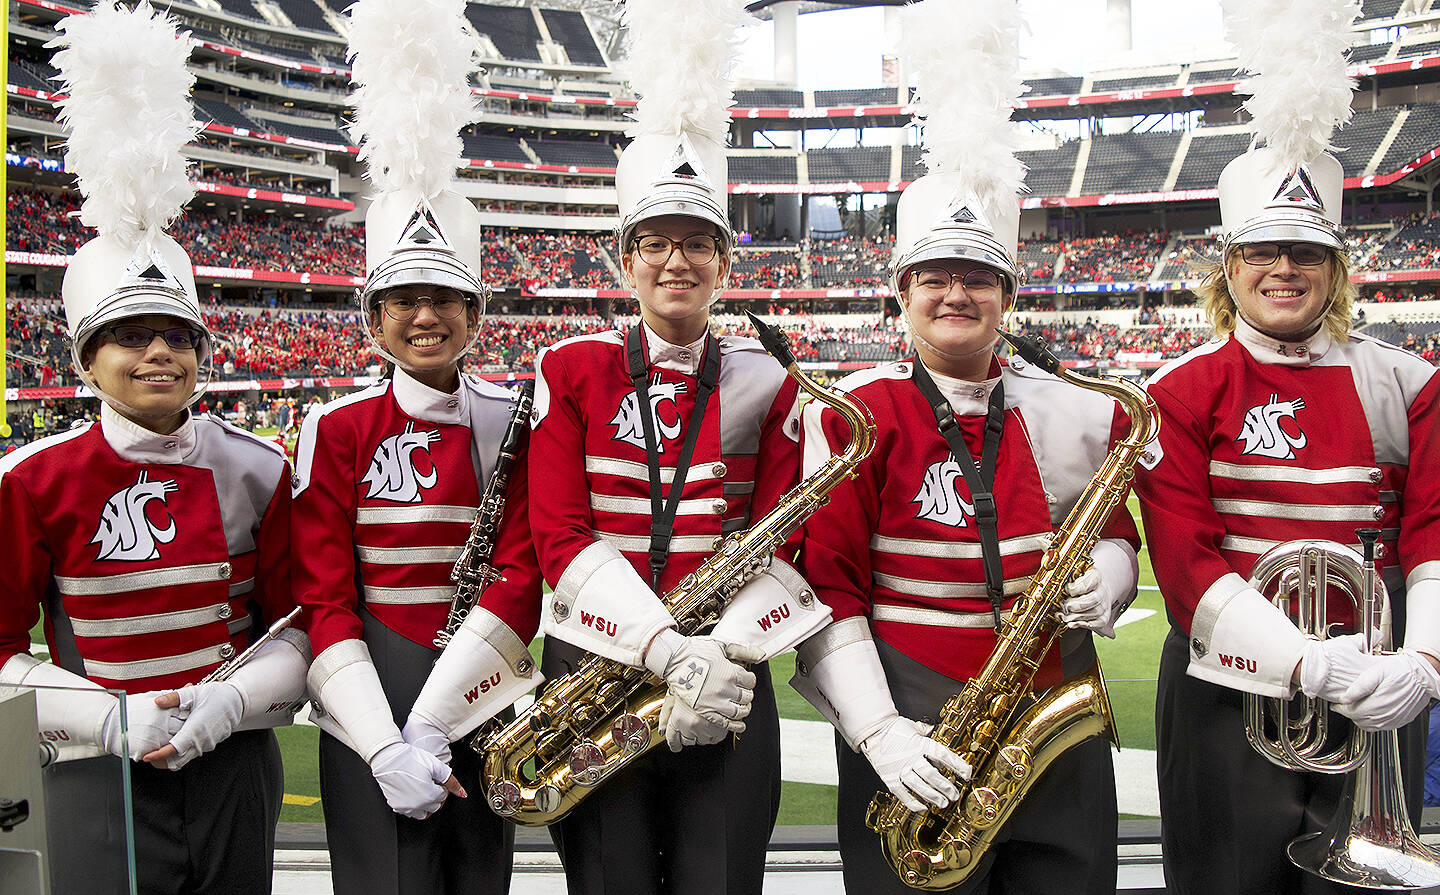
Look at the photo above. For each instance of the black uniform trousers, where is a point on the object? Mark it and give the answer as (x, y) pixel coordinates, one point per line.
(694, 822)
(208, 828)
(1062, 837)
(462, 848)
(1226, 813)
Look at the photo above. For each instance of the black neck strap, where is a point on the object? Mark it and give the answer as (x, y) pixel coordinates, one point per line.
(981, 481)
(662, 511)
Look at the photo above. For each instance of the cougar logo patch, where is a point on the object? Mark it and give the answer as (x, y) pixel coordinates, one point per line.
(629, 428)
(1265, 437)
(125, 531)
(392, 474)
(939, 499)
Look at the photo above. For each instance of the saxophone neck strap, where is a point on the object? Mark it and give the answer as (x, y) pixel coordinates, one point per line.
(979, 477)
(662, 510)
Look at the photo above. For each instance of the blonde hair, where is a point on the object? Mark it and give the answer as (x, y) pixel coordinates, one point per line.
(1214, 293)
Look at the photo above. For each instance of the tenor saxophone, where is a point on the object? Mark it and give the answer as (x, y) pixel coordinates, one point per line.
(587, 725)
(1008, 744)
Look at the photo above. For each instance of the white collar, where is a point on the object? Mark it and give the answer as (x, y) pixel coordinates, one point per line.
(1270, 350)
(425, 403)
(138, 444)
(966, 398)
(680, 358)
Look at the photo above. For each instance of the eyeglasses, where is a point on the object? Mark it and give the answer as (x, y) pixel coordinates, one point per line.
(699, 249)
(135, 335)
(935, 282)
(1302, 254)
(405, 307)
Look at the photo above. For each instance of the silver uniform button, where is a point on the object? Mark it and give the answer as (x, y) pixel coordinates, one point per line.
(1378, 513)
(224, 571)
(227, 651)
(171, 445)
(684, 354)
(1301, 351)
(225, 611)
(719, 507)
(1017, 363)
(977, 393)
(718, 470)
(561, 610)
(1198, 647)
(452, 403)
(1376, 476)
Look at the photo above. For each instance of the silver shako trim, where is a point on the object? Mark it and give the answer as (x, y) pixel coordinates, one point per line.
(957, 242)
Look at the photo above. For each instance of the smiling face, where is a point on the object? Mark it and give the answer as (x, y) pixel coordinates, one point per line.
(1281, 299)
(955, 330)
(675, 296)
(428, 343)
(154, 382)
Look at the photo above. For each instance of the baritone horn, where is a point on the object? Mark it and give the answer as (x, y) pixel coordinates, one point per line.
(1369, 842)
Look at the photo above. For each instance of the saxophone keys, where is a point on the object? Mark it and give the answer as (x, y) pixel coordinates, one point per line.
(982, 806)
(504, 798)
(1014, 762)
(547, 799)
(631, 733)
(587, 762)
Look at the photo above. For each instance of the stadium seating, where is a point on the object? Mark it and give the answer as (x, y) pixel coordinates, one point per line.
(1128, 163)
(567, 28)
(1137, 82)
(511, 29)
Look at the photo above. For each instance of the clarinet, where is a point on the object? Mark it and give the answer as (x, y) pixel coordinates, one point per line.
(473, 571)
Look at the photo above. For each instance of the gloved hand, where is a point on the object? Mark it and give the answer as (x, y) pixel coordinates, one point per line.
(1102, 592)
(1391, 692)
(423, 735)
(910, 764)
(414, 782)
(1328, 667)
(147, 727)
(711, 693)
(204, 716)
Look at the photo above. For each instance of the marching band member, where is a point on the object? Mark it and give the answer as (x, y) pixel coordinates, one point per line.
(1287, 425)
(647, 446)
(388, 481)
(156, 540)
(923, 554)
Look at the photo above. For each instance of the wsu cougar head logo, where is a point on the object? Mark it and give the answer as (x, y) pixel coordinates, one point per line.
(392, 474)
(939, 499)
(1262, 433)
(125, 531)
(627, 423)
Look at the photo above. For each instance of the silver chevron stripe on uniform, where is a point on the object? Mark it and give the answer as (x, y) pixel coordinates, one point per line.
(1242, 544)
(936, 590)
(641, 543)
(132, 581)
(939, 618)
(955, 549)
(628, 469)
(402, 515)
(408, 556)
(1246, 473)
(129, 671)
(408, 596)
(148, 624)
(640, 506)
(1310, 511)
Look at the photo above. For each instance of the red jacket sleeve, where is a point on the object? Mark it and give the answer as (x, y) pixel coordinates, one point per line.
(272, 547)
(322, 534)
(515, 598)
(25, 567)
(835, 546)
(1420, 508)
(560, 519)
(777, 467)
(1120, 525)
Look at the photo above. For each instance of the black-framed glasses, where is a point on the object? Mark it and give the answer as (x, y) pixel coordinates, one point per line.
(699, 249)
(935, 282)
(136, 335)
(405, 307)
(1302, 254)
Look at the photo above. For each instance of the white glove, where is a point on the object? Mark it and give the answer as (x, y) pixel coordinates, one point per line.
(911, 764)
(207, 714)
(411, 779)
(711, 693)
(1391, 692)
(147, 725)
(423, 735)
(1328, 667)
(1103, 591)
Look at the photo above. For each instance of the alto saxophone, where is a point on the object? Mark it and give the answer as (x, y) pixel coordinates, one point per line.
(1007, 744)
(473, 571)
(587, 725)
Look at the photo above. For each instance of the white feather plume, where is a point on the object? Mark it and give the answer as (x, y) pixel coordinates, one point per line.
(1294, 51)
(966, 61)
(128, 116)
(678, 59)
(411, 62)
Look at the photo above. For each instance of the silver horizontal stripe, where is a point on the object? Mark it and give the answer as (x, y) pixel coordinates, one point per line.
(1331, 476)
(936, 590)
(238, 625)
(408, 556)
(129, 671)
(627, 469)
(408, 596)
(641, 543)
(402, 515)
(1309, 511)
(147, 624)
(1247, 545)
(955, 549)
(242, 587)
(132, 581)
(640, 506)
(939, 618)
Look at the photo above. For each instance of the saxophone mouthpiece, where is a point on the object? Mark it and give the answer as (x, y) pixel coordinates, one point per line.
(1032, 351)
(773, 340)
